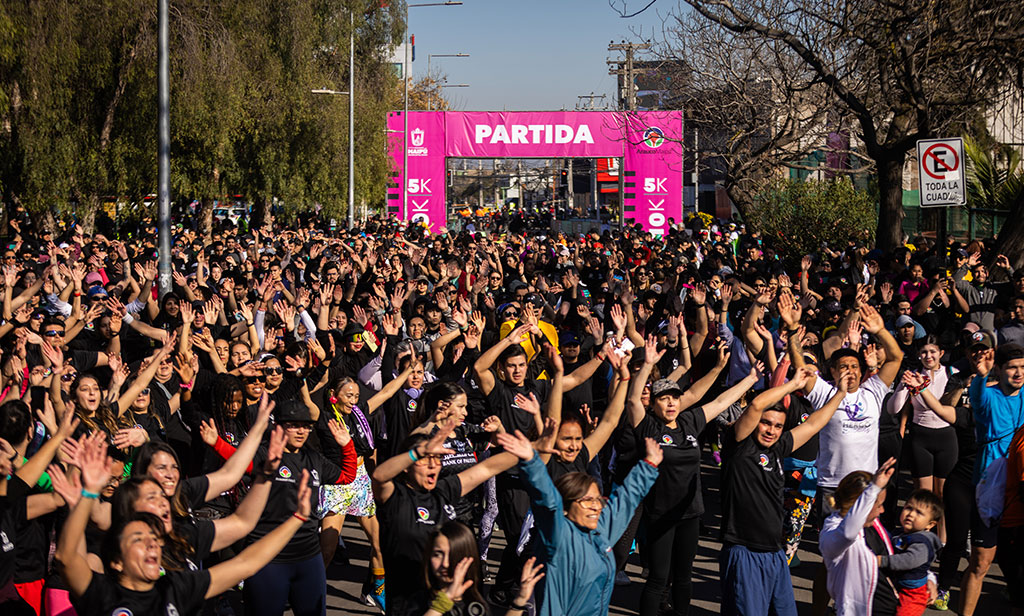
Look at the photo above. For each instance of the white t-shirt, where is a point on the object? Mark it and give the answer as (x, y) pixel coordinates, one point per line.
(849, 442)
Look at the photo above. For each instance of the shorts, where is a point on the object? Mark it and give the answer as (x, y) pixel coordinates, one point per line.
(932, 451)
(982, 535)
(1011, 560)
(354, 498)
(912, 601)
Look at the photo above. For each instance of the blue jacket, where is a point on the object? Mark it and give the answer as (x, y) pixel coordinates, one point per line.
(579, 565)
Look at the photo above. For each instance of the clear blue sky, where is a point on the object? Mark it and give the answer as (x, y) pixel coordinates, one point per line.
(528, 55)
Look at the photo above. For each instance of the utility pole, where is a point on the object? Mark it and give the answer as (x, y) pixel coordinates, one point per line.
(626, 71)
(570, 196)
(589, 105)
(164, 149)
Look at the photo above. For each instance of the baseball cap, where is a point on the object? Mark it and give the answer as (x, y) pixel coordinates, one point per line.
(93, 278)
(97, 291)
(904, 320)
(971, 327)
(568, 338)
(982, 338)
(663, 387)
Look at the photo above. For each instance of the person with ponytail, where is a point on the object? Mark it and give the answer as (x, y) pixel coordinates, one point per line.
(851, 564)
(356, 498)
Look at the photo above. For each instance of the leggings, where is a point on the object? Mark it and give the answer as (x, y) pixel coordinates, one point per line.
(797, 507)
(625, 542)
(513, 503)
(303, 584)
(957, 501)
(671, 548)
(932, 451)
(487, 519)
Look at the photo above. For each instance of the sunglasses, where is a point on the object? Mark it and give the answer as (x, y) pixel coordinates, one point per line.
(67, 377)
(277, 370)
(53, 333)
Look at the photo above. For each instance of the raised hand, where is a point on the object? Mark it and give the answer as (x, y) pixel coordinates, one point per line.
(130, 437)
(459, 584)
(913, 379)
(303, 495)
(340, 432)
(516, 444)
(492, 424)
(699, 293)
(266, 407)
(532, 573)
(789, 311)
(618, 318)
(68, 488)
(872, 320)
(651, 353)
(530, 404)
(884, 473)
(208, 432)
(654, 453)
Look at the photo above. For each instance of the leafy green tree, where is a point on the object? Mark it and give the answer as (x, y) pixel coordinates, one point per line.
(800, 215)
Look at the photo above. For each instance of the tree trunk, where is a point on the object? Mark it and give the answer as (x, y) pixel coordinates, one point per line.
(889, 233)
(205, 217)
(88, 207)
(741, 198)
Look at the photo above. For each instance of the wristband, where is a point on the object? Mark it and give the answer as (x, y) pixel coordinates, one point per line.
(412, 455)
(649, 463)
(188, 386)
(77, 294)
(517, 607)
(88, 494)
(442, 602)
(300, 518)
(127, 319)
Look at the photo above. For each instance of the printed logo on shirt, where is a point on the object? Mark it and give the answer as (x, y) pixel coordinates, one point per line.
(7, 545)
(762, 459)
(285, 472)
(424, 515)
(692, 440)
(411, 406)
(804, 416)
(666, 439)
(315, 475)
(121, 611)
(855, 411)
(449, 511)
(229, 437)
(171, 610)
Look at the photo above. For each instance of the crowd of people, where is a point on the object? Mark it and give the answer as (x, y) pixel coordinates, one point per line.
(198, 451)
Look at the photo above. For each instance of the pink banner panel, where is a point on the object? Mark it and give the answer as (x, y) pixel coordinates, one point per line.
(649, 143)
(653, 169)
(533, 134)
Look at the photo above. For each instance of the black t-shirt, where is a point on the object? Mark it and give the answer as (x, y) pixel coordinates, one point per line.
(194, 490)
(283, 500)
(676, 493)
(799, 410)
(502, 402)
(407, 520)
(558, 468)
(398, 413)
(199, 533)
(12, 516)
(752, 491)
(178, 592)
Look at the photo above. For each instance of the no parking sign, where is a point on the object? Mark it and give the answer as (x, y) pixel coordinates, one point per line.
(940, 172)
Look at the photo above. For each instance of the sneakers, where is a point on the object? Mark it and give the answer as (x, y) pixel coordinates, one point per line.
(622, 579)
(941, 602)
(373, 593)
